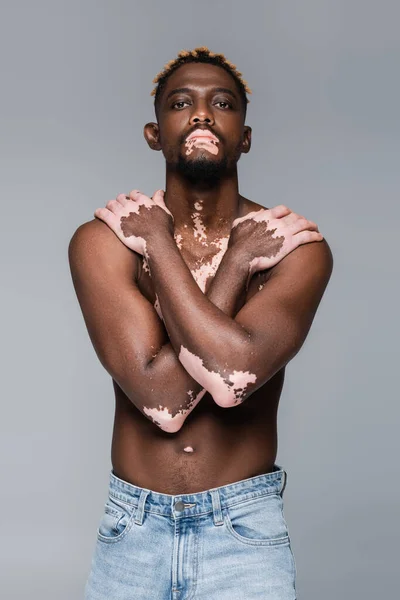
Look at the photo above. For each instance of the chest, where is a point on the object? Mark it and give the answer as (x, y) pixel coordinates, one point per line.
(201, 258)
(203, 264)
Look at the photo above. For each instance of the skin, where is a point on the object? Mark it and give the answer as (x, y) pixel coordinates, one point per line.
(196, 299)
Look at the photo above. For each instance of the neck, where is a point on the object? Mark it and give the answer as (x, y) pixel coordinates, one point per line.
(207, 210)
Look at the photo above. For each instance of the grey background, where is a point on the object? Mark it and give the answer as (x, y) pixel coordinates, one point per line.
(75, 93)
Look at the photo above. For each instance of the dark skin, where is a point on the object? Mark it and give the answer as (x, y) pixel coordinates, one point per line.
(253, 314)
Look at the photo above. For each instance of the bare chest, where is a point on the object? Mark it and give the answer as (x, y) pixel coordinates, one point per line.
(203, 262)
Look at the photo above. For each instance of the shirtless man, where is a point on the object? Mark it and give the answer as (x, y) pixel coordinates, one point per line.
(195, 300)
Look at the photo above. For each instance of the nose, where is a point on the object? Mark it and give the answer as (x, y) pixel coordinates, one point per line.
(201, 114)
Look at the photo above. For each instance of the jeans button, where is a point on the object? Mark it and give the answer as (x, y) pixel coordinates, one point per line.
(179, 505)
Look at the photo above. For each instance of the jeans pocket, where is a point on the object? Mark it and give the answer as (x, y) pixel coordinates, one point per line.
(258, 522)
(117, 519)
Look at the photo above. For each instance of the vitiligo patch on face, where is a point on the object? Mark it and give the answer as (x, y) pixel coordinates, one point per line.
(168, 422)
(231, 387)
(201, 142)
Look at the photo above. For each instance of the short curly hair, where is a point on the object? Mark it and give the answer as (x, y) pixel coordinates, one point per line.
(204, 55)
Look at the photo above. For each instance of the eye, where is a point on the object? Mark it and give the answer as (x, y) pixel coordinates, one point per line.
(224, 102)
(179, 102)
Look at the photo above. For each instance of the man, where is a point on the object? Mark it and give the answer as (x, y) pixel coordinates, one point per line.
(195, 300)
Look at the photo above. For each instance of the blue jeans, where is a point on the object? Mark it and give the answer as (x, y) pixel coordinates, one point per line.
(227, 543)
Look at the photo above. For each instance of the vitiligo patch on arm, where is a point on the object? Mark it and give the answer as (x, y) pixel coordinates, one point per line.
(226, 391)
(171, 422)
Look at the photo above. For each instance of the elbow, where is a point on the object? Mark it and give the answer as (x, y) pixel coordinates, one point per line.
(227, 386)
(169, 427)
(229, 399)
(235, 389)
(223, 400)
(162, 417)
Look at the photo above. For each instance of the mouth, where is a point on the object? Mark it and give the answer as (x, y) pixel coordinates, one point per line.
(202, 134)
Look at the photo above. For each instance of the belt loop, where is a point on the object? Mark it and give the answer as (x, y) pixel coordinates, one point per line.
(284, 481)
(140, 507)
(216, 502)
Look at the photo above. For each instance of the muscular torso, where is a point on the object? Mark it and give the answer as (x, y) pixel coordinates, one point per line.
(216, 446)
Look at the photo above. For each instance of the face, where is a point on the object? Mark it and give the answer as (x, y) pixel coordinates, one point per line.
(200, 96)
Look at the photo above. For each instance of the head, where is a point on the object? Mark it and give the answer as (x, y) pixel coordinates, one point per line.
(200, 90)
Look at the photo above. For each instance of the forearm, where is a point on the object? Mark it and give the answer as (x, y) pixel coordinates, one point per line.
(184, 390)
(205, 338)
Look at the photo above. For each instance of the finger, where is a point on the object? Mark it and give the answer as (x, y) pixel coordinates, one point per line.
(302, 224)
(305, 237)
(140, 198)
(134, 194)
(104, 215)
(290, 219)
(123, 199)
(314, 225)
(279, 211)
(158, 198)
(113, 204)
(308, 220)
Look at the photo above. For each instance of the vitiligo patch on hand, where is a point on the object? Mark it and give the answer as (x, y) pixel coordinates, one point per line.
(231, 388)
(271, 246)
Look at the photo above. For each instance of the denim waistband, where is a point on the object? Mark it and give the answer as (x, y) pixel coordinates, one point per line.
(198, 503)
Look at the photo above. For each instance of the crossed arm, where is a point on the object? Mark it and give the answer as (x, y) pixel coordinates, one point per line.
(210, 346)
(126, 332)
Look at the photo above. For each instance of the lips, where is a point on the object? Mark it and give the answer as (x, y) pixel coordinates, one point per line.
(203, 134)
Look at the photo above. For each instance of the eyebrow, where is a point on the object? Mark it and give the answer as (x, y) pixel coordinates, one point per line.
(188, 90)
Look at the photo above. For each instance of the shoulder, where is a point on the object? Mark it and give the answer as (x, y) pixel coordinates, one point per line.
(93, 231)
(316, 256)
(95, 243)
(312, 258)
(247, 206)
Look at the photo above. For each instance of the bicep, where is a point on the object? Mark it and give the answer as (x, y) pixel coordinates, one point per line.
(122, 324)
(279, 317)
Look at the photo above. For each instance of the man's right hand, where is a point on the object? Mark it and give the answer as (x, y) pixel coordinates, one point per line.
(135, 218)
(266, 236)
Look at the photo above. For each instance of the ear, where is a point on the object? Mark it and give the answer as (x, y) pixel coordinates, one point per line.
(151, 134)
(246, 144)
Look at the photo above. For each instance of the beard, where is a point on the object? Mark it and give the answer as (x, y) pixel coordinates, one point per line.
(202, 170)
